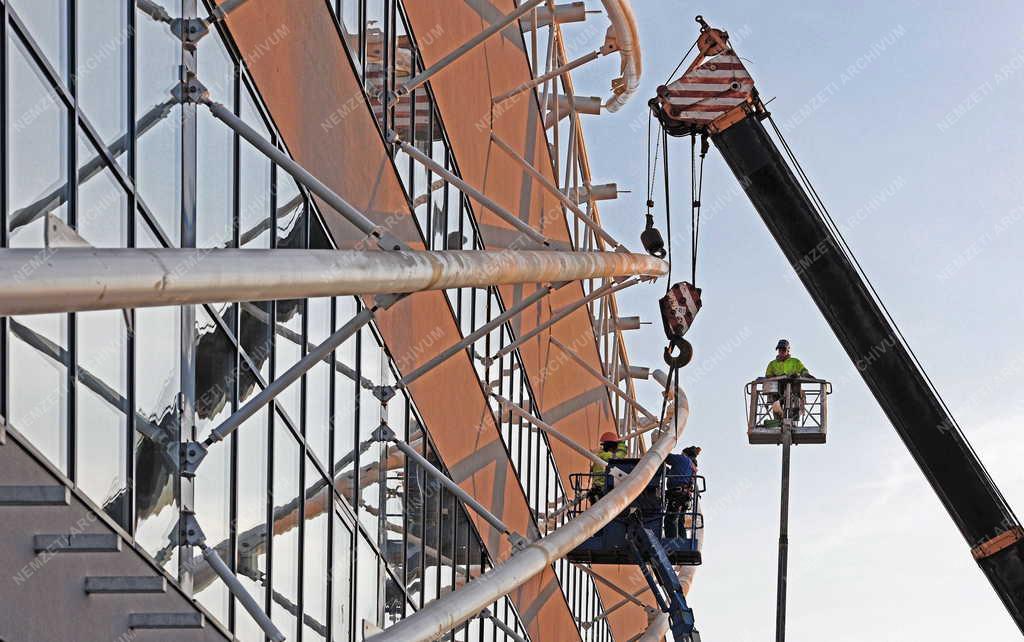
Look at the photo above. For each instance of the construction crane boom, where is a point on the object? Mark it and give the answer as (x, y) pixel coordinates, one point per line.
(716, 98)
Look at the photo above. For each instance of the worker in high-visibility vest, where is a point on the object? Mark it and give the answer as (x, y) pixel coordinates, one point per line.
(785, 365)
(612, 447)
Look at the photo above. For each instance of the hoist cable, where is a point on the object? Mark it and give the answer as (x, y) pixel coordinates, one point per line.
(668, 209)
(681, 61)
(845, 248)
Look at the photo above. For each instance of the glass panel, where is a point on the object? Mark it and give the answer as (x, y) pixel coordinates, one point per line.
(341, 582)
(367, 584)
(47, 22)
(102, 78)
(252, 517)
(157, 333)
(314, 561)
(345, 388)
(159, 148)
(39, 383)
(215, 145)
(285, 570)
(37, 126)
(102, 204)
(290, 233)
(348, 14)
(215, 377)
(254, 175)
(371, 472)
(102, 422)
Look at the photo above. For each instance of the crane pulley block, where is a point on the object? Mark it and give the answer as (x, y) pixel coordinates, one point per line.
(679, 306)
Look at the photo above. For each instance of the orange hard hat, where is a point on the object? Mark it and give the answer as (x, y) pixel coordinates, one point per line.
(609, 436)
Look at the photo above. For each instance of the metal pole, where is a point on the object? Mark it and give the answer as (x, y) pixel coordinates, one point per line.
(554, 432)
(604, 380)
(616, 588)
(77, 279)
(343, 207)
(557, 193)
(609, 288)
(509, 631)
(471, 338)
(384, 433)
(469, 190)
(236, 589)
(780, 608)
(447, 612)
(291, 375)
(422, 77)
(539, 80)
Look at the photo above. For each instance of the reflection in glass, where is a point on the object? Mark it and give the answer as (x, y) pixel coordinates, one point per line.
(102, 422)
(47, 21)
(102, 203)
(102, 78)
(158, 177)
(39, 384)
(367, 583)
(314, 556)
(341, 579)
(285, 571)
(156, 393)
(215, 376)
(251, 512)
(38, 138)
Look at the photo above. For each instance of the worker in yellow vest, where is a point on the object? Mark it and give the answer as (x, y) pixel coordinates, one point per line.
(785, 365)
(612, 447)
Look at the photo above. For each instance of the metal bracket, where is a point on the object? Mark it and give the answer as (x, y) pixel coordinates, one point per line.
(190, 30)
(190, 531)
(384, 393)
(383, 433)
(192, 454)
(189, 90)
(518, 542)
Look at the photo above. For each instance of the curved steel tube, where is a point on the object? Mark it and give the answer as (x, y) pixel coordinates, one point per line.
(628, 39)
(445, 613)
(76, 279)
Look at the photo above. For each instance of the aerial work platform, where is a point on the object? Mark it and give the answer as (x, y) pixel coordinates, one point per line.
(656, 532)
(800, 401)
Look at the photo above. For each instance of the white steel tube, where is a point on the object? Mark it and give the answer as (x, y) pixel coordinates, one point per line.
(469, 190)
(461, 50)
(627, 38)
(557, 193)
(442, 615)
(519, 411)
(77, 279)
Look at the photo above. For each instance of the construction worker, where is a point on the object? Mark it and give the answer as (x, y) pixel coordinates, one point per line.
(612, 447)
(680, 470)
(785, 365)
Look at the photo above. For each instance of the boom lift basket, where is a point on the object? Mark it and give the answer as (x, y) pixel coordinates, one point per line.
(678, 531)
(801, 402)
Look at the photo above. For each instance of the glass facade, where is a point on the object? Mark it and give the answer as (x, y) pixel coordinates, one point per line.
(385, 52)
(326, 527)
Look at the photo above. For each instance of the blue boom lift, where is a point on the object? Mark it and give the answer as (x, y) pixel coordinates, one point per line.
(655, 532)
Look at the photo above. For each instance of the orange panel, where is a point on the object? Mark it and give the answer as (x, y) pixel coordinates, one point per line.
(315, 99)
(566, 394)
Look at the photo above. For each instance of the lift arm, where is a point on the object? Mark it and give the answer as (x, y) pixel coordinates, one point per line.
(716, 97)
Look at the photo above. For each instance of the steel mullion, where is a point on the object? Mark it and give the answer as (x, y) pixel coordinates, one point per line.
(70, 37)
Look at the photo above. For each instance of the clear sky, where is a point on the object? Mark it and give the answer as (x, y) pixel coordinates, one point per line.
(918, 151)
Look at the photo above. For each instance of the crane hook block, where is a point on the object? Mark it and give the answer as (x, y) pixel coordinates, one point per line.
(679, 306)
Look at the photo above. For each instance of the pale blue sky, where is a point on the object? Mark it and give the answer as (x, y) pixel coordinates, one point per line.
(929, 128)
